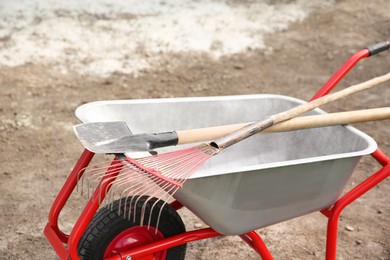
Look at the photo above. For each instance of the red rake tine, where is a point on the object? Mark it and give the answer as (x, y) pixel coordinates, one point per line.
(112, 172)
(145, 192)
(153, 187)
(169, 181)
(159, 194)
(122, 180)
(97, 172)
(86, 171)
(137, 180)
(137, 187)
(129, 175)
(161, 208)
(139, 190)
(135, 195)
(109, 199)
(108, 176)
(157, 178)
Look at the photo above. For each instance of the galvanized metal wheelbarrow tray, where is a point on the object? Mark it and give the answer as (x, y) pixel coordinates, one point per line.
(261, 181)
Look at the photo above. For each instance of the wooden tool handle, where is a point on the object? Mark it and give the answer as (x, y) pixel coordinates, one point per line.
(249, 130)
(296, 111)
(342, 118)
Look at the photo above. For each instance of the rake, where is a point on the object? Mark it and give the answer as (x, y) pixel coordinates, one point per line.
(161, 175)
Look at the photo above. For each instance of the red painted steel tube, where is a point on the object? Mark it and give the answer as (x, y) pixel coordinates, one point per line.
(55, 242)
(167, 243)
(259, 245)
(248, 241)
(65, 193)
(91, 208)
(341, 72)
(381, 157)
(348, 198)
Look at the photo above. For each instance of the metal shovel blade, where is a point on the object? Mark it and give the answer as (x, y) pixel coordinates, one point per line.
(116, 137)
(103, 137)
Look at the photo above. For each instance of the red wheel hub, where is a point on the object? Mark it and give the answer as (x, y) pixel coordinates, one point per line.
(135, 237)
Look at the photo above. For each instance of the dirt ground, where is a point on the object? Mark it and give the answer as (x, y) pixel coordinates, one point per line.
(38, 148)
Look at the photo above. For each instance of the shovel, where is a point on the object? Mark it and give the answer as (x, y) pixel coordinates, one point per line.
(116, 137)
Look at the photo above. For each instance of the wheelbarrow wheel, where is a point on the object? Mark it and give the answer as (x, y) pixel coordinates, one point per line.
(110, 232)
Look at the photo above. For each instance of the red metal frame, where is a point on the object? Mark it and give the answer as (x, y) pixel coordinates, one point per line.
(66, 245)
(55, 236)
(334, 212)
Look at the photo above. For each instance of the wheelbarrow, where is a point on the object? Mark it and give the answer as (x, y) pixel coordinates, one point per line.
(257, 183)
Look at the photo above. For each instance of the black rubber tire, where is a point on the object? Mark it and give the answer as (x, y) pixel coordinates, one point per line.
(107, 224)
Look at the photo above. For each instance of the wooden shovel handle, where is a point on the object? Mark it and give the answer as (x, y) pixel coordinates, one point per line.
(342, 118)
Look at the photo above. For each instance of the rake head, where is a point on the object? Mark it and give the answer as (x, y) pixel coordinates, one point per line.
(158, 176)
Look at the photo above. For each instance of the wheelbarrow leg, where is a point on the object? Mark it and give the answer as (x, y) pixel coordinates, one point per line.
(55, 236)
(333, 213)
(254, 240)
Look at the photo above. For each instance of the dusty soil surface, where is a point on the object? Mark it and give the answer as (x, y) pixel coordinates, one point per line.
(38, 148)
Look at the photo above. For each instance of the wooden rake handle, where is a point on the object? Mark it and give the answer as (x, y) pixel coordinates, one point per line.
(256, 127)
(341, 118)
